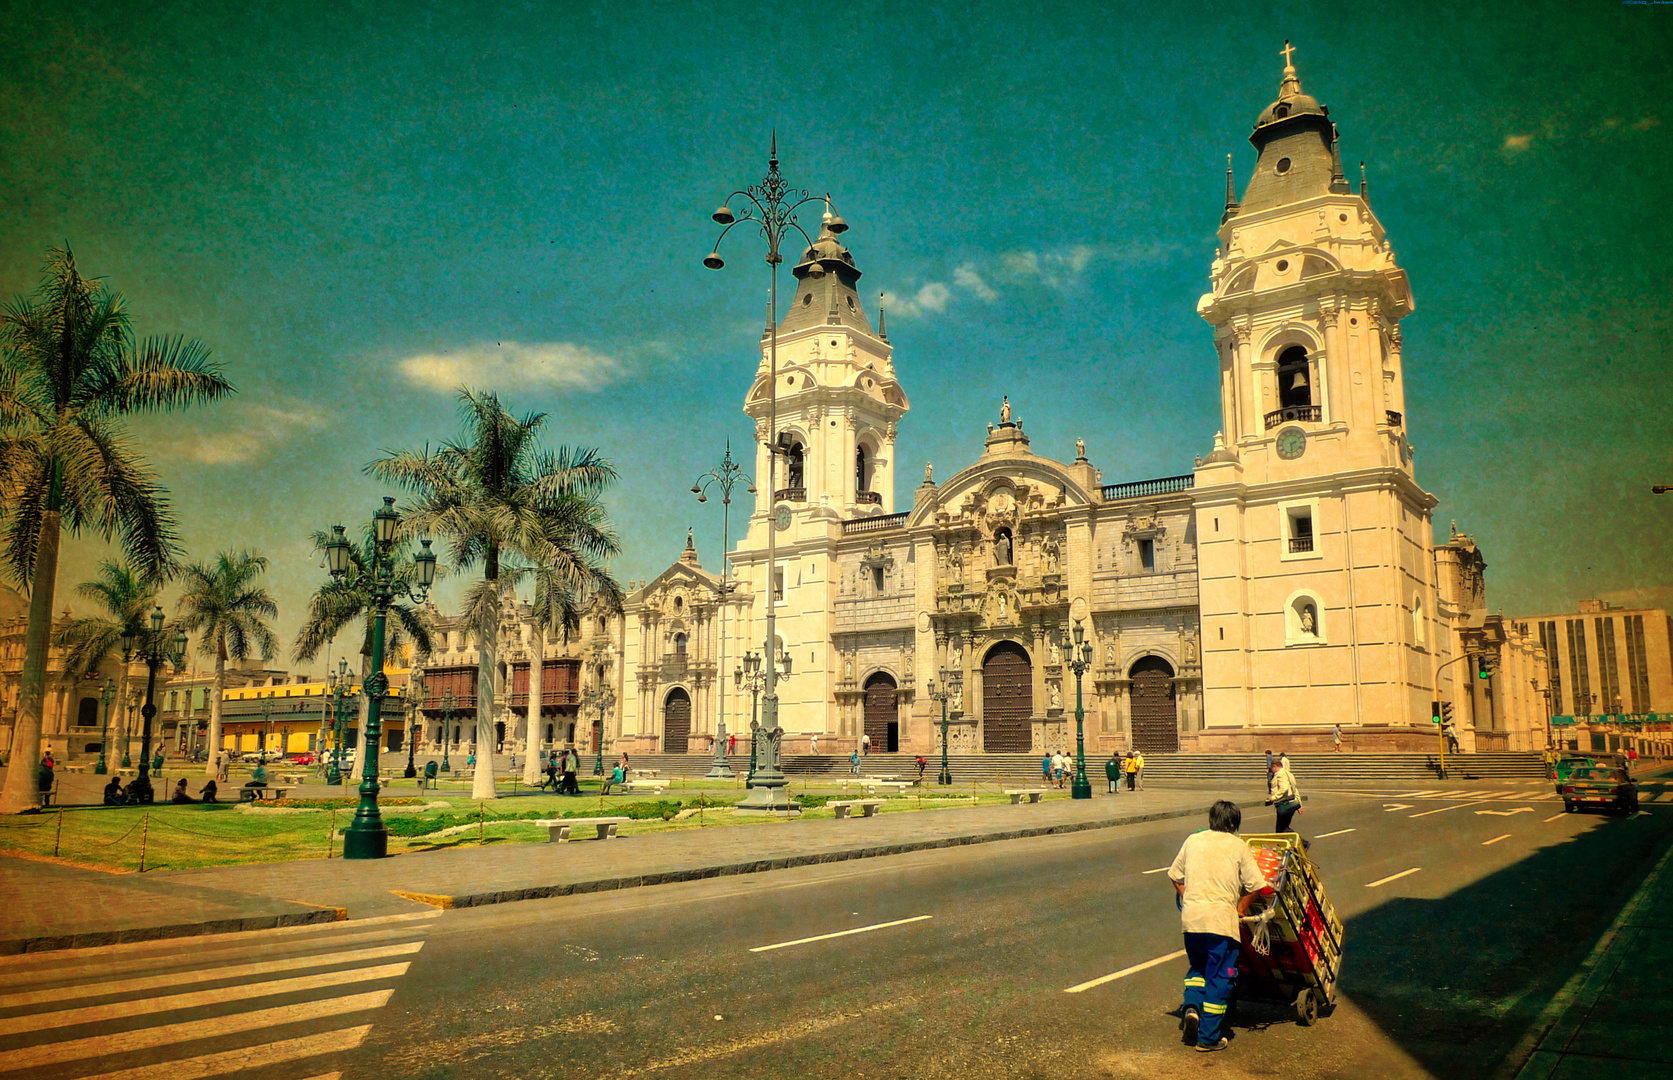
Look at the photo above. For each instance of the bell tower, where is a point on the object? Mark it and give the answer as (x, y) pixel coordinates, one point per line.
(1314, 536)
(838, 401)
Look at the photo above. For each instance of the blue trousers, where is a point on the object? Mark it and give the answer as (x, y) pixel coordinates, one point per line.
(1209, 983)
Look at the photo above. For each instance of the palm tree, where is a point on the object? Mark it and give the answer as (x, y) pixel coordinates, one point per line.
(504, 503)
(126, 597)
(555, 611)
(224, 605)
(341, 601)
(70, 370)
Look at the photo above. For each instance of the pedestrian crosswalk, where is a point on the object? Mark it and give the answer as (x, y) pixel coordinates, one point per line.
(203, 1006)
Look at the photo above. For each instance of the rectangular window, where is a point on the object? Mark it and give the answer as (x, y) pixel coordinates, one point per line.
(1298, 528)
(877, 579)
(1577, 669)
(1553, 664)
(1608, 672)
(1638, 667)
(1147, 554)
(778, 584)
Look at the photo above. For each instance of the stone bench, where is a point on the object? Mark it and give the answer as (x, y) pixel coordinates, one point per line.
(1033, 795)
(646, 774)
(264, 794)
(893, 785)
(560, 827)
(75, 768)
(292, 778)
(655, 787)
(868, 807)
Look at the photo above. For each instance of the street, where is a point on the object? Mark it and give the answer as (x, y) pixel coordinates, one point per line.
(1465, 916)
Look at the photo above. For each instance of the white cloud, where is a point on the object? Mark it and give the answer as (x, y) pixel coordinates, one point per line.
(257, 431)
(1054, 269)
(931, 297)
(514, 366)
(968, 278)
(1058, 268)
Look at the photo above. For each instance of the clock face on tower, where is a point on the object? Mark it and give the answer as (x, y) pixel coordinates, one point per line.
(1292, 443)
(781, 518)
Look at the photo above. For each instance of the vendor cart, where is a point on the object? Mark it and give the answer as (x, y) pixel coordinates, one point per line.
(1292, 948)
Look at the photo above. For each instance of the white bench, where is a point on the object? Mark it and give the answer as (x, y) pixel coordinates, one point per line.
(868, 807)
(560, 827)
(655, 787)
(264, 793)
(75, 768)
(645, 774)
(292, 778)
(1033, 795)
(892, 785)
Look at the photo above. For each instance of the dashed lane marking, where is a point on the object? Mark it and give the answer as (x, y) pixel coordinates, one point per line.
(1338, 832)
(1123, 973)
(1392, 877)
(182, 978)
(1396, 806)
(841, 933)
(1554, 817)
(249, 1057)
(1442, 810)
(1496, 839)
(1506, 813)
(1158, 870)
(35, 1057)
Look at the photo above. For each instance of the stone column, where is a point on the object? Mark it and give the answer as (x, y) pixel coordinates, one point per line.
(972, 683)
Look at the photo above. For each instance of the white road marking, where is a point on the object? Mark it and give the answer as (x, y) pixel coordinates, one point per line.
(1442, 810)
(1414, 794)
(1338, 832)
(250, 1057)
(93, 961)
(1396, 806)
(1506, 813)
(45, 1021)
(1542, 798)
(35, 1057)
(841, 933)
(182, 978)
(1124, 972)
(1642, 813)
(1554, 817)
(1158, 870)
(1488, 796)
(1664, 796)
(1392, 877)
(1496, 839)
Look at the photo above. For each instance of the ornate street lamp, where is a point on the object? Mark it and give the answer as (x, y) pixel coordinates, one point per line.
(748, 675)
(771, 206)
(446, 726)
(260, 773)
(106, 695)
(1080, 658)
(415, 693)
(366, 837)
(944, 691)
(128, 726)
(603, 699)
(340, 690)
(727, 475)
(154, 649)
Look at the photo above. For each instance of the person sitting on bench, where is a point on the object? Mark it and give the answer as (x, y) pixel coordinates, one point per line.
(617, 775)
(113, 792)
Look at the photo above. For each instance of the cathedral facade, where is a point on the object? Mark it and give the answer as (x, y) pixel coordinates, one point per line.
(1288, 583)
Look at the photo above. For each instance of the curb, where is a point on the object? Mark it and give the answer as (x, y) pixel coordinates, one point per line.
(760, 866)
(96, 938)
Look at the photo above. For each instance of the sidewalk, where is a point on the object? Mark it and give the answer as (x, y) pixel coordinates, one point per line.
(98, 908)
(1610, 1020)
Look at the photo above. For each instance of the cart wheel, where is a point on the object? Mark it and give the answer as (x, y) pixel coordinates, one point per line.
(1306, 1008)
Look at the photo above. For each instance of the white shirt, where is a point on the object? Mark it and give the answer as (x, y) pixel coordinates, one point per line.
(1216, 868)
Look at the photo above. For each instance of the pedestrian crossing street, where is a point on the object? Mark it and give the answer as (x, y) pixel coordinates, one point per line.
(270, 1000)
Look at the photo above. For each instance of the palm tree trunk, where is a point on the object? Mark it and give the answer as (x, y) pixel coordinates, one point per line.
(20, 791)
(215, 750)
(531, 767)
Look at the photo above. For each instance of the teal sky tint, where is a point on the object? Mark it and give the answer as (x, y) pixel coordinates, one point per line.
(357, 206)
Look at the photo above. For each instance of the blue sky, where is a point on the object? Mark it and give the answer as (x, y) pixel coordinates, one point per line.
(358, 206)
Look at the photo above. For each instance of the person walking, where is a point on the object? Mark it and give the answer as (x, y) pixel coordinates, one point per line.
(1216, 879)
(854, 762)
(1045, 770)
(1283, 796)
(1268, 773)
(1112, 773)
(569, 786)
(1336, 738)
(865, 744)
(732, 743)
(923, 763)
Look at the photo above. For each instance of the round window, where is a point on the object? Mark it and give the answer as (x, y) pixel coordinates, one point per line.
(1283, 166)
(1283, 264)
(807, 298)
(851, 299)
(1342, 217)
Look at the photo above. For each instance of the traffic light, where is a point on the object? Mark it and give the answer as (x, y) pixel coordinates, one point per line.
(1434, 712)
(1446, 712)
(1484, 666)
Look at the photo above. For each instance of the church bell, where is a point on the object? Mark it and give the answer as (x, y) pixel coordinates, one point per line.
(1300, 382)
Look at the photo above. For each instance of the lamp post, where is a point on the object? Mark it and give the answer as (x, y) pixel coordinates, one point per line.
(106, 695)
(339, 689)
(415, 693)
(366, 837)
(748, 675)
(943, 692)
(153, 648)
(260, 773)
(128, 725)
(446, 726)
(771, 206)
(603, 699)
(727, 475)
(1080, 658)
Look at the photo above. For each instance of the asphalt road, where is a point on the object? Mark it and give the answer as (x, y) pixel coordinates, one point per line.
(959, 970)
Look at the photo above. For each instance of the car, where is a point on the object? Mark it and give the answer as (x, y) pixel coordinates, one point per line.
(1571, 760)
(260, 757)
(307, 757)
(1603, 786)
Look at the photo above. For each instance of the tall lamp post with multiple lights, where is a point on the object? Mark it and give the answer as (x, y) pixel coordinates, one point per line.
(339, 689)
(446, 726)
(1080, 659)
(152, 647)
(771, 207)
(366, 837)
(602, 698)
(260, 773)
(749, 676)
(944, 691)
(727, 475)
(415, 694)
(107, 695)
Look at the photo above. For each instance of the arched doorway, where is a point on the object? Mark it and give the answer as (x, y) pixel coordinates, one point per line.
(1155, 715)
(882, 713)
(676, 721)
(1007, 700)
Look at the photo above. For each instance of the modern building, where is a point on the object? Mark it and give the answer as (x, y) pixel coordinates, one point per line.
(1608, 674)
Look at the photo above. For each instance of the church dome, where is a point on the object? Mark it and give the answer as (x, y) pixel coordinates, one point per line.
(1296, 104)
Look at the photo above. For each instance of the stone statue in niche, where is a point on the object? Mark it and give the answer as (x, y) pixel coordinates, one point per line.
(1051, 551)
(1309, 621)
(1002, 548)
(1056, 696)
(1056, 651)
(848, 668)
(955, 655)
(906, 664)
(1109, 654)
(1190, 649)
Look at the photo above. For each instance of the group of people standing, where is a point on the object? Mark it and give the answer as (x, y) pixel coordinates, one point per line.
(1128, 767)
